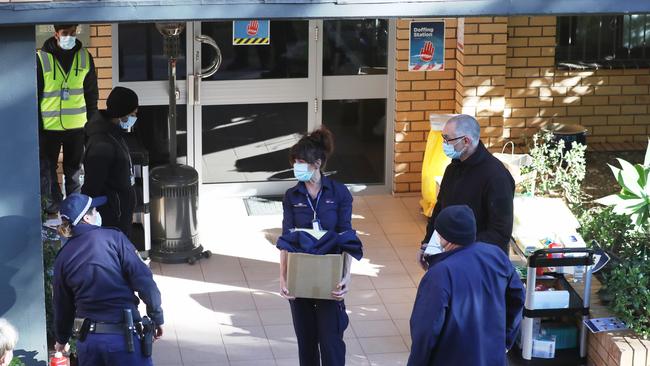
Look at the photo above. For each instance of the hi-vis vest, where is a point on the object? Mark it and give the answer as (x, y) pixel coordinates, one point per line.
(63, 106)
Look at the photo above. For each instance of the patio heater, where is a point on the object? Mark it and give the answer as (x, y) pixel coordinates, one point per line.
(174, 187)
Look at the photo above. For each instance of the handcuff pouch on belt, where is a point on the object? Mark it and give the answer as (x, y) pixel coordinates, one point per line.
(81, 328)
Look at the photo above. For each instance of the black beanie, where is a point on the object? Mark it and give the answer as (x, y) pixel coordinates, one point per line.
(457, 224)
(121, 101)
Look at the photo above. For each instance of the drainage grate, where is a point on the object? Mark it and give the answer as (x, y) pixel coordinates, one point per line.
(266, 205)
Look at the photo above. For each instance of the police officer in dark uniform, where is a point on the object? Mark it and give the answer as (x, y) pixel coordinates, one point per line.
(95, 275)
(317, 201)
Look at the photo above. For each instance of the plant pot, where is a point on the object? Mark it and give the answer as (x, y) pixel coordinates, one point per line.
(568, 133)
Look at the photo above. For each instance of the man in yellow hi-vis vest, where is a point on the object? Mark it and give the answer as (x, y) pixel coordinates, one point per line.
(67, 96)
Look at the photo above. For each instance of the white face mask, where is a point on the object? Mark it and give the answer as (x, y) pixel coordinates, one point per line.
(97, 221)
(67, 42)
(434, 246)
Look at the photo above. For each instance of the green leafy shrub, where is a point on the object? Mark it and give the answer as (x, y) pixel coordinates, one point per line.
(628, 284)
(614, 233)
(16, 362)
(559, 173)
(634, 198)
(51, 246)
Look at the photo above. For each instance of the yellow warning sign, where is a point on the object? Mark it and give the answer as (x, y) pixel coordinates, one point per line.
(251, 41)
(251, 32)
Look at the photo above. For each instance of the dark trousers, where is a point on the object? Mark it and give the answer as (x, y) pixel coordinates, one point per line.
(73, 148)
(110, 350)
(319, 326)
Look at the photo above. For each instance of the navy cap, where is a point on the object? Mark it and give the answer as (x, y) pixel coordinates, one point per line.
(76, 205)
(457, 224)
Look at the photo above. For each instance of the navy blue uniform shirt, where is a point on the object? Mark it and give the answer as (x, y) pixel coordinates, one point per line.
(333, 209)
(95, 275)
(467, 310)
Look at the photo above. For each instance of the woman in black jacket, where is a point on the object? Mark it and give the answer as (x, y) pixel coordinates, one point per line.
(107, 162)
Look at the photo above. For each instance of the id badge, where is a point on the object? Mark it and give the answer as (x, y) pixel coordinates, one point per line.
(65, 94)
(316, 225)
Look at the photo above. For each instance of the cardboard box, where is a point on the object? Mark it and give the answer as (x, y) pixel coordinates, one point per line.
(314, 276)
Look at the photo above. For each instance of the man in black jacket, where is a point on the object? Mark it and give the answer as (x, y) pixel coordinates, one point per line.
(477, 179)
(65, 71)
(107, 163)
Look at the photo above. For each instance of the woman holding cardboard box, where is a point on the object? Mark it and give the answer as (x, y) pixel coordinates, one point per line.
(324, 206)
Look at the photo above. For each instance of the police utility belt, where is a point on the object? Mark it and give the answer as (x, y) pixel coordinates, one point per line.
(144, 331)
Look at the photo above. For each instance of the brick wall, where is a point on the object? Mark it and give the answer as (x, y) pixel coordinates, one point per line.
(506, 77)
(417, 95)
(100, 48)
(482, 83)
(612, 104)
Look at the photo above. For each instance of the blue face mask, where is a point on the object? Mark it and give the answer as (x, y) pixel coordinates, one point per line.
(301, 172)
(450, 151)
(67, 42)
(129, 122)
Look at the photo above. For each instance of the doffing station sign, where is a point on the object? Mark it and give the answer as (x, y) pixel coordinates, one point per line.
(427, 46)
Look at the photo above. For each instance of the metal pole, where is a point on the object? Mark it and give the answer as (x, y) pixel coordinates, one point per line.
(172, 110)
(527, 323)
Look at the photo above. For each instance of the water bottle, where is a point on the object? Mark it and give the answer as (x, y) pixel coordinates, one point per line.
(578, 273)
(59, 360)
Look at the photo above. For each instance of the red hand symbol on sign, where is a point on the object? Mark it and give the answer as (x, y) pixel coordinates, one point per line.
(426, 53)
(253, 27)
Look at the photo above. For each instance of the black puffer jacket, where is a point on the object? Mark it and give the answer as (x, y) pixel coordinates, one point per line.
(65, 58)
(108, 171)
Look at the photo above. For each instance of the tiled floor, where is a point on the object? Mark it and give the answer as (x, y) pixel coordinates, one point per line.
(226, 310)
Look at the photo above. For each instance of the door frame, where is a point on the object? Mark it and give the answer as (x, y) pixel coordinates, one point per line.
(312, 90)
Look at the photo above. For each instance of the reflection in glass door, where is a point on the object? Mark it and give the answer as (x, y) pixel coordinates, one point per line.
(256, 106)
(264, 98)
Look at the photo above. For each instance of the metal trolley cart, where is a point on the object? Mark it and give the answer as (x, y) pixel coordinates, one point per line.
(578, 307)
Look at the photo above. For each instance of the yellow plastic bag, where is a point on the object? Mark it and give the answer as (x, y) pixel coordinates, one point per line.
(434, 164)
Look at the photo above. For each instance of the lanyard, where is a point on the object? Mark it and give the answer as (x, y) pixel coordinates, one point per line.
(317, 201)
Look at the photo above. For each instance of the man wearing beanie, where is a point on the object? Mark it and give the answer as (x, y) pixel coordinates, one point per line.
(469, 303)
(107, 163)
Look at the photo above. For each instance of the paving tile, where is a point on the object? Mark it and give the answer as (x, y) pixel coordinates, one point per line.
(389, 359)
(280, 316)
(410, 240)
(368, 312)
(269, 362)
(241, 318)
(195, 352)
(362, 297)
(401, 228)
(167, 350)
(246, 343)
(287, 361)
(359, 282)
(392, 344)
(404, 327)
(399, 311)
(397, 295)
(392, 281)
(375, 328)
(233, 299)
(380, 253)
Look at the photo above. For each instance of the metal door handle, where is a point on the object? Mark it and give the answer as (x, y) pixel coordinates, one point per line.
(197, 90)
(216, 62)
